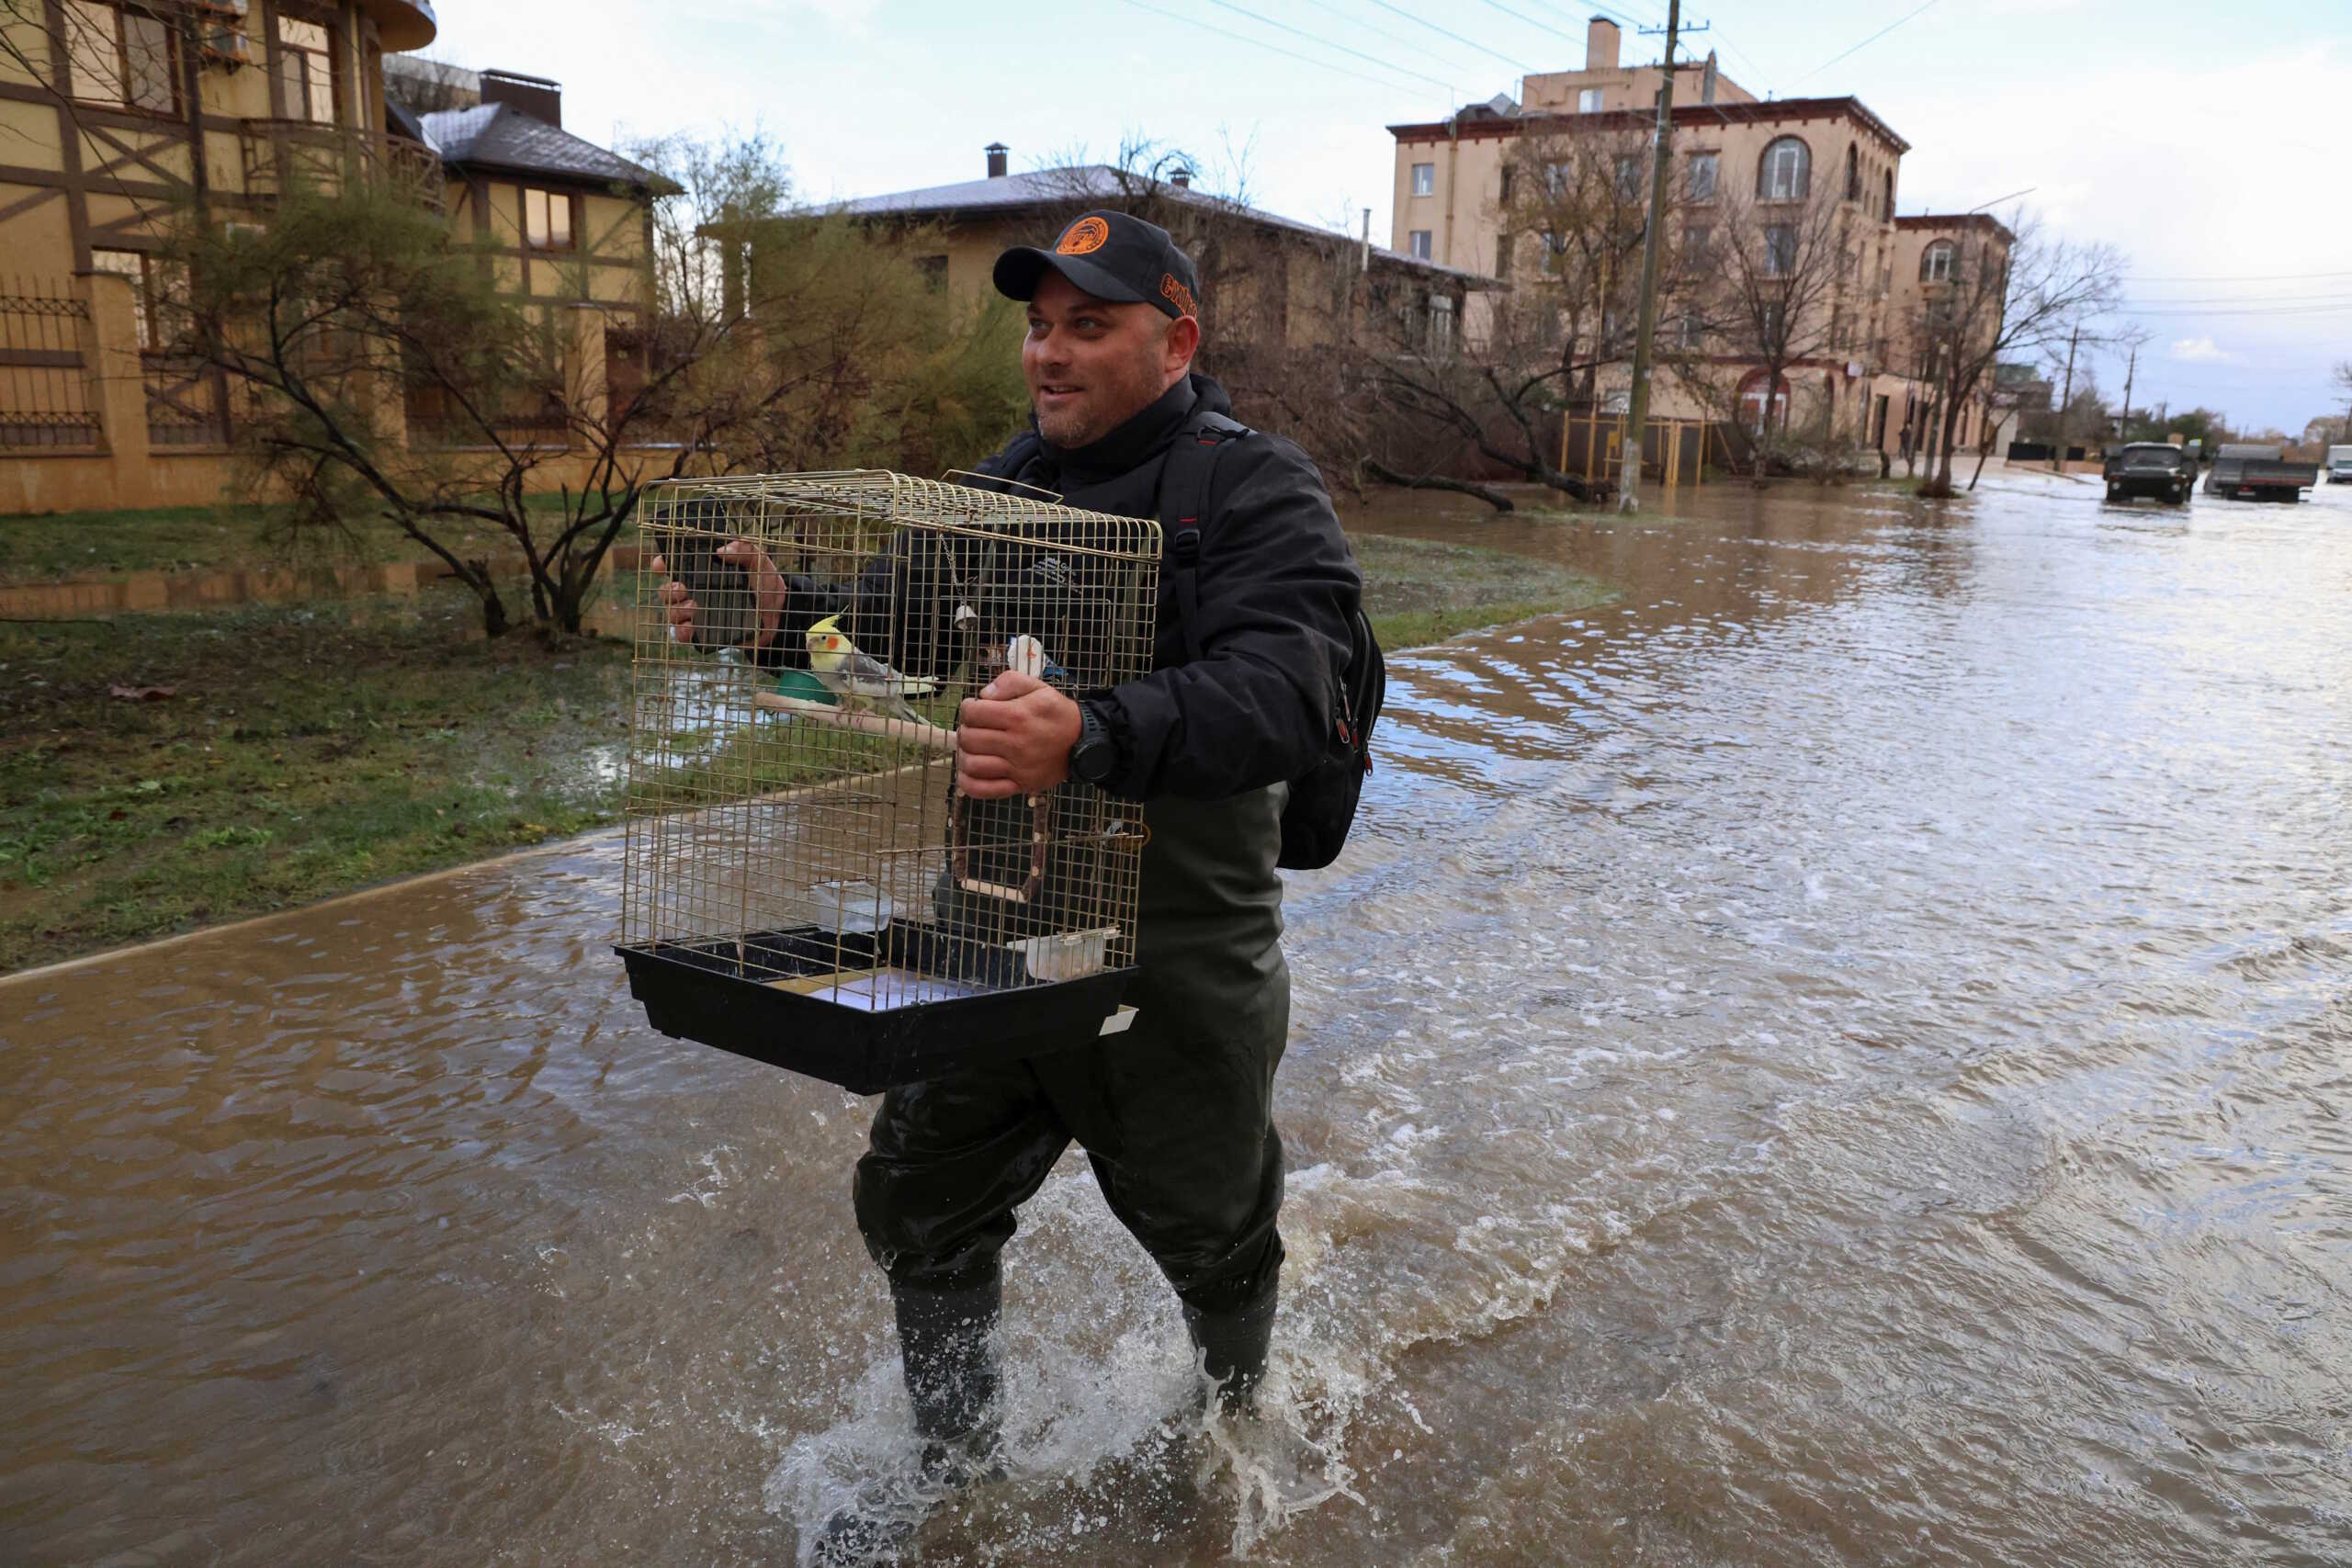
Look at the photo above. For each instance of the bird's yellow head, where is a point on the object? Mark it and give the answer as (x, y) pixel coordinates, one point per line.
(825, 637)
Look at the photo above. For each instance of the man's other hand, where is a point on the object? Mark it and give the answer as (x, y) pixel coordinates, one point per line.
(768, 588)
(1014, 738)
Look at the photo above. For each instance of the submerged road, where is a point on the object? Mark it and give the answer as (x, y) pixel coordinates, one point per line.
(1838, 1058)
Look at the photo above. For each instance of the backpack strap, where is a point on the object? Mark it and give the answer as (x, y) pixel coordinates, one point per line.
(1185, 480)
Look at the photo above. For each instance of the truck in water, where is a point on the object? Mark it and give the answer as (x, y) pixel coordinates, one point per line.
(2152, 468)
(2339, 464)
(2250, 471)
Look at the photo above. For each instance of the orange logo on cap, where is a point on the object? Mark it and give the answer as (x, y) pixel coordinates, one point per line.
(1086, 234)
(1176, 294)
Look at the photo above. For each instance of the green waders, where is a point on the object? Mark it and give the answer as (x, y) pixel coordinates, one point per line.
(1175, 1114)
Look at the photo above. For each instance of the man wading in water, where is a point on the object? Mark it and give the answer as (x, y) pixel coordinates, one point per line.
(1176, 1114)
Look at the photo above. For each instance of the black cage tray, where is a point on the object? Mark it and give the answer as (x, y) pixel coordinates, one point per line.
(949, 1004)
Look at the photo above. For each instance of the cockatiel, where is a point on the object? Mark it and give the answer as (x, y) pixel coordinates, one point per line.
(856, 676)
(1028, 655)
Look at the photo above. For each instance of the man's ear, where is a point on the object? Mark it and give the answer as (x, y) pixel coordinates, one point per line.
(1182, 341)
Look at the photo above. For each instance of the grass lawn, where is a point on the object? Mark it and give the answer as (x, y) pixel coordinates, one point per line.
(312, 750)
(1418, 592)
(300, 754)
(181, 538)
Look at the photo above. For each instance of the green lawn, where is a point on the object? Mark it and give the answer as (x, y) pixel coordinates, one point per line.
(188, 538)
(1418, 592)
(310, 750)
(301, 753)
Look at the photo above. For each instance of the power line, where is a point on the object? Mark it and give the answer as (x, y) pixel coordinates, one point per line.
(1289, 53)
(2242, 277)
(1531, 22)
(1381, 32)
(1328, 43)
(2196, 299)
(1863, 45)
(1519, 65)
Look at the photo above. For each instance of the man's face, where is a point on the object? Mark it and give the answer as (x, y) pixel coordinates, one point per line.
(1094, 364)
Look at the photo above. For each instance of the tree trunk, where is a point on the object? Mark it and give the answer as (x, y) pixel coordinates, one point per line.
(1486, 493)
(494, 623)
(1983, 451)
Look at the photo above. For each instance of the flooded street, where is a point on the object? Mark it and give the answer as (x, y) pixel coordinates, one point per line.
(1838, 1057)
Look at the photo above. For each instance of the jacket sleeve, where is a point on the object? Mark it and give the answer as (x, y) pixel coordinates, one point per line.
(1278, 589)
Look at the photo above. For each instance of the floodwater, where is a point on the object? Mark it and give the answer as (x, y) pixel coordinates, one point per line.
(1838, 1057)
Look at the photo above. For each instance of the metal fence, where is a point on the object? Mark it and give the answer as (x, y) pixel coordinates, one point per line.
(47, 398)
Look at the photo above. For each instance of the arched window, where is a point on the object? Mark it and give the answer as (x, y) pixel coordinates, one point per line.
(1936, 262)
(1786, 173)
(1886, 199)
(1755, 414)
(1853, 174)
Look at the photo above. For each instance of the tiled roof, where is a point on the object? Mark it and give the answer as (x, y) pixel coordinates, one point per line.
(499, 136)
(1092, 182)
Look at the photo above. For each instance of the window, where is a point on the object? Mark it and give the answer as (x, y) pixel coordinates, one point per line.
(1629, 176)
(1779, 249)
(1936, 262)
(1555, 247)
(932, 271)
(1420, 243)
(1696, 238)
(118, 57)
(1441, 325)
(1853, 174)
(1424, 179)
(1771, 319)
(1690, 332)
(1755, 410)
(1588, 101)
(1506, 189)
(158, 294)
(306, 71)
(1557, 177)
(1502, 255)
(1786, 173)
(1886, 198)
(1703, 176)
(547, 220)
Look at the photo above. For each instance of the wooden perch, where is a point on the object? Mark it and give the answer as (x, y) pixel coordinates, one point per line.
(930, 736)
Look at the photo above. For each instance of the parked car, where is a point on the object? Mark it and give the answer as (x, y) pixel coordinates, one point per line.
(2252, 471)
(2339, 464)
(2151, 469)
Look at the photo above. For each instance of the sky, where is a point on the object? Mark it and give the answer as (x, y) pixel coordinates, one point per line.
(2213, 150)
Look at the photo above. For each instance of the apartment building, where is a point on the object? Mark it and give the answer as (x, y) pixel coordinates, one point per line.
(1737, 158)
(112, 116)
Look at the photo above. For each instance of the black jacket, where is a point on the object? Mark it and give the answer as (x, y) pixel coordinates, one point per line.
(1278, 589)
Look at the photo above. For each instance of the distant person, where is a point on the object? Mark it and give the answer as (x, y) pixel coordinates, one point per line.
(1176, 1114)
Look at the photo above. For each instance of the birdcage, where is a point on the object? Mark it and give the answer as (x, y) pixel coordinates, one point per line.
(804, 883)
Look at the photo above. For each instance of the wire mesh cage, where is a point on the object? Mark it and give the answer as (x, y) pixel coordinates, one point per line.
(804, 884)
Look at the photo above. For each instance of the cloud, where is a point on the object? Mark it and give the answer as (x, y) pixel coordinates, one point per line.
(2200, 348)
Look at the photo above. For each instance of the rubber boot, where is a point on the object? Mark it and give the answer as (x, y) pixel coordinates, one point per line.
(1233, 1348)
(947, 1348)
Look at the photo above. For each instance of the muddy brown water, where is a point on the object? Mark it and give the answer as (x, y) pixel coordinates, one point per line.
(1838, 1057)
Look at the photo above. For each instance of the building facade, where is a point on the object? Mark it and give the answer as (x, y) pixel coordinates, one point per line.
(1275, 281)
(113, 117)
(1739, 163)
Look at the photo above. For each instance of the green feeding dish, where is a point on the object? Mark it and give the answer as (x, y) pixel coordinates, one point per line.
(801, 684)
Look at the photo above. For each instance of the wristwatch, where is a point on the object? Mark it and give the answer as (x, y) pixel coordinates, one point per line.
(1096, 752)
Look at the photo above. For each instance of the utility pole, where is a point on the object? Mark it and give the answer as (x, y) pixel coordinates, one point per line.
(2065, 401)
(1637, 406)
(2130, 369)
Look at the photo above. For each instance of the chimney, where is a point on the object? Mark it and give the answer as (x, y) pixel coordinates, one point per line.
(997, 152)
(1707, 82)
(1180, 178)
(1600, 44)
(534, 96)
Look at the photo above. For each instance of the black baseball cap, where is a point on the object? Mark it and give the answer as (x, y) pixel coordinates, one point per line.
(1111, 255)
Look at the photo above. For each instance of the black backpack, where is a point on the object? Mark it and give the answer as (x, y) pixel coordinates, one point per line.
(1322, 804)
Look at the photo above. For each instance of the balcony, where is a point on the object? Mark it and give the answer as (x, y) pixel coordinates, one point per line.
(282, 156)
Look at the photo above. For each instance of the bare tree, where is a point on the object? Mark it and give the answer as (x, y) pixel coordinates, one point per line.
(2012, 292)
(2344, 385)
(1783, 274)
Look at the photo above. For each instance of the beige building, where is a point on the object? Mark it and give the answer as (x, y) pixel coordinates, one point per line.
(113, 116)
(1732, 151)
